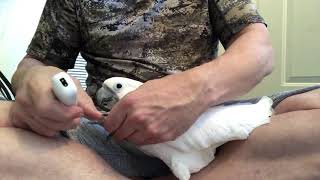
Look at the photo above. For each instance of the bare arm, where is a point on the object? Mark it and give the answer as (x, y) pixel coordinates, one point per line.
(247, 60)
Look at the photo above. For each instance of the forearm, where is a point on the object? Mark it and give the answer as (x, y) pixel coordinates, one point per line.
(244, 64)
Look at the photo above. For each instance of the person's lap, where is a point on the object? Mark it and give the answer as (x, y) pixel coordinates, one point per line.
(286, 148)
(26, 155)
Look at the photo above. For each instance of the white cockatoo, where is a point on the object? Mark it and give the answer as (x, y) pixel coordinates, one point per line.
(195, 149)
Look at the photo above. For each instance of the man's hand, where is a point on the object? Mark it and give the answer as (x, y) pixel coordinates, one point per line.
(37, 108)
(158, 111)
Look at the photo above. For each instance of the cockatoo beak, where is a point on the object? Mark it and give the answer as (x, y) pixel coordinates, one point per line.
(106, 98)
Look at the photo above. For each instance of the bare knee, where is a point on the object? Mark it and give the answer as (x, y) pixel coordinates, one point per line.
(305, 101)
(286, 148)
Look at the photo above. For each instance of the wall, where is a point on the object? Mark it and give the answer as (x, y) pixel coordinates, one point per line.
(18, 21)
(294, 30)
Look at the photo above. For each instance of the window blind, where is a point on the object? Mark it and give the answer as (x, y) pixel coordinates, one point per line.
(79, 71)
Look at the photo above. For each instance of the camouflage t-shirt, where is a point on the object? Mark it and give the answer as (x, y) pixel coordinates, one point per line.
(139, 39)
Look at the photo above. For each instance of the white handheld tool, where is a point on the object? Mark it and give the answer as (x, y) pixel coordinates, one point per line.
(64, 88)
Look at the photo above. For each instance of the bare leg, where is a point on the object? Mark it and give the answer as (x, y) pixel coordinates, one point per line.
(288, 148)
(285, 149)
(304, 101)
(25, 155)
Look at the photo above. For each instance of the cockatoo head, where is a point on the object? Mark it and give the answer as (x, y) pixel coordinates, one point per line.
(121, 86)
(114, 89)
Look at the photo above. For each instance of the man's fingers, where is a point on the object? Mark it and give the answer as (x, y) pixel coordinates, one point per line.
(61, 113)
(124, 131)
(19, 124)
(89, 109)
(164, 138)
(151, 141)
(115, 118)
(137, 138)
(16, 118)
(58, 126)
(52, 108)
(90, 112)
(40, 129)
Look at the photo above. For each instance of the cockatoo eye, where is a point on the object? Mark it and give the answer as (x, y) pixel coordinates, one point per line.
(118, 86)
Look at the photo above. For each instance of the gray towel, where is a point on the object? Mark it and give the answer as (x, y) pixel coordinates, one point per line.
(128, 161)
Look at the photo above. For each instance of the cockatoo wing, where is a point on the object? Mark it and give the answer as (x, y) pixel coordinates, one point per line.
(221, 124)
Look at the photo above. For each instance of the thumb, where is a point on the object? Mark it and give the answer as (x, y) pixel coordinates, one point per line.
(89, 109)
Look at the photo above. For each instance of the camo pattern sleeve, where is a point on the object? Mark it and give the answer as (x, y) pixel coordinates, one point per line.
(56, 41)
(228, 17)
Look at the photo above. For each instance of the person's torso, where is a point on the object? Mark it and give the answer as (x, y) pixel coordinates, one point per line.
(144, 39)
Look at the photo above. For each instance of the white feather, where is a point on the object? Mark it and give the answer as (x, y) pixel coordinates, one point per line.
(195, 149)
